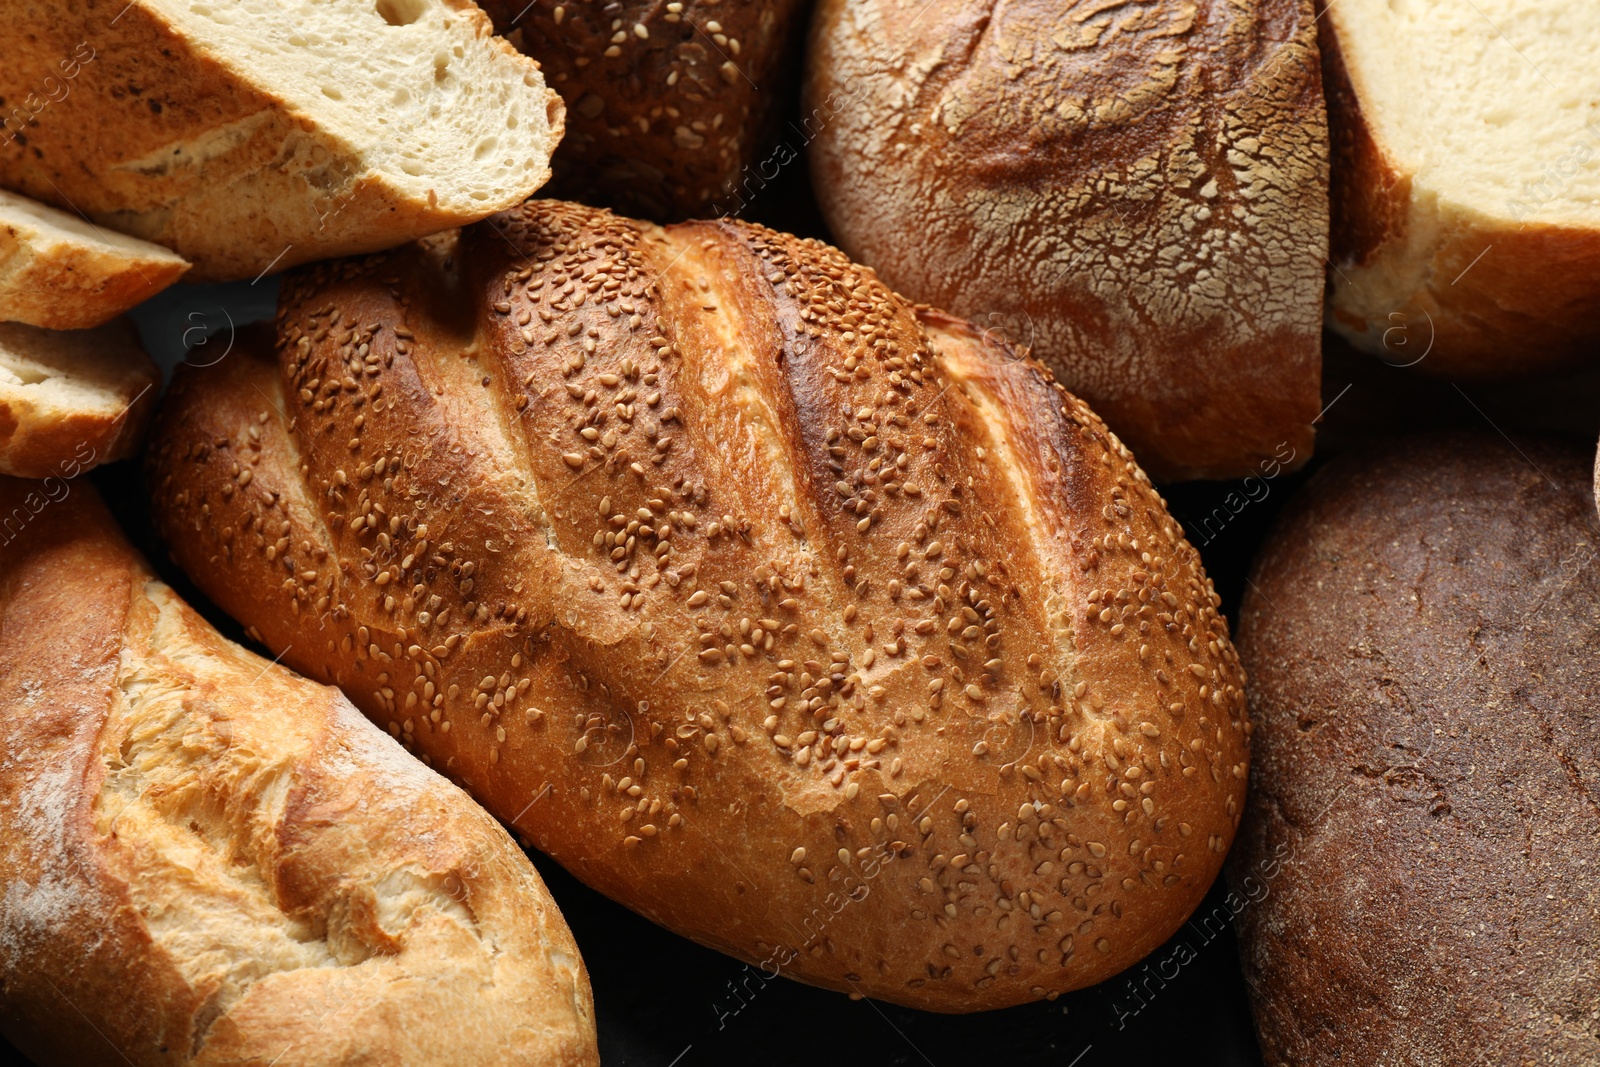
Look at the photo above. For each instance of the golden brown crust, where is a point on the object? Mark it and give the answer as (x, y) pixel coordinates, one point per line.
(839, 642)
(1447, 288)
(112, 110)
(47, 434)
(1138, 192)
(209, 860)
(1422, 631)
(663, 125)
(68, 278)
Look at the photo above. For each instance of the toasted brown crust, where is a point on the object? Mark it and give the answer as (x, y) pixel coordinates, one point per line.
(43, 438)
(154, 134)
(1138, 192)
(66, 281)
(761, 606)
(209, 860)
(1500, 299)
(1422, 633)
(667, 125)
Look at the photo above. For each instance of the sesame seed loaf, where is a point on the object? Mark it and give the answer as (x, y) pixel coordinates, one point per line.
(1464, 221)
(62, 273)
(72, 400)
(1422, 633)
(828, 634)
(207, 859)
(252, 135)
(1138, 192)
(669, 104)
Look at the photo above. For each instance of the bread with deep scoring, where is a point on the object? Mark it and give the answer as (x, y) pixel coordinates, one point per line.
(1139, 192)
(256, 135)
(207, 859)
(62, 273)
(825, 632)
(1422, 631)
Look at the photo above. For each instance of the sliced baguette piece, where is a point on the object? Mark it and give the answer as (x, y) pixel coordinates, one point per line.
(71, 400)
(1466, 222)
(58, 271)
(259, 134)
(207, 859)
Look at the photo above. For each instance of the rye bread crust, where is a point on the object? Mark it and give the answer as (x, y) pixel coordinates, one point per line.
(1422, 633)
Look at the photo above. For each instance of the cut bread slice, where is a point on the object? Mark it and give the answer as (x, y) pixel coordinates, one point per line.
(1466, 202)
(71, 400)
(256, 134)
(58, 271)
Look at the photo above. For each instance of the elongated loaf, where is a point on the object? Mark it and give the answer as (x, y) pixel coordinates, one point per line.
(1423, 637)
(206, 859)
(254, 136)
(828, 635)
(670, 105)
(71, 400)
(1466, 224)
(1139, 192)
(62, 273)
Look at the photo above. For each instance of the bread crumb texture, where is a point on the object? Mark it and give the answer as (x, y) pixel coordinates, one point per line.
(1463, 220)
(72, 399)
(266, 133)
(822, 630)
(1136, 191)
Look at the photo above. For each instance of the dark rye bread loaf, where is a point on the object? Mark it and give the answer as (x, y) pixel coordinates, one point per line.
(1423, 639)
(819, 630)
(669, 104)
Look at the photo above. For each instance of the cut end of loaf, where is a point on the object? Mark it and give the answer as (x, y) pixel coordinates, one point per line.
(434, 105)
(62, 272)
(71, 400)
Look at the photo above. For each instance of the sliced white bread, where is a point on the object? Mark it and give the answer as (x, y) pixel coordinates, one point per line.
(1466, 210)
(61, 272)
(71, 400)
(257, 134)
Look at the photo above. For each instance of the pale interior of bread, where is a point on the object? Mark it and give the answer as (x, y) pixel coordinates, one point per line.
(41, 226)
(97, 371)
(1491, 103)
(428, 105)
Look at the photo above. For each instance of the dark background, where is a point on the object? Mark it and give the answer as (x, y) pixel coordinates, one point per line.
(662, 1001)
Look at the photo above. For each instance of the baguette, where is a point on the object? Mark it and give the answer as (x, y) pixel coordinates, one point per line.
(1422, 631)
(251, 137)
(670, 104)
(827, 634)
(62, 273)
(1139, 192)
(1464, 221)
(72, 400)
(209, 860)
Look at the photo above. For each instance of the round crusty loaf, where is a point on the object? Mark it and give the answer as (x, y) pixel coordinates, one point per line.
(208, 860)
(1423, 639)
(825, 635)
(1466, 224)
(669, 103)
(72, 399)
(253, 136)
(1137, 191)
